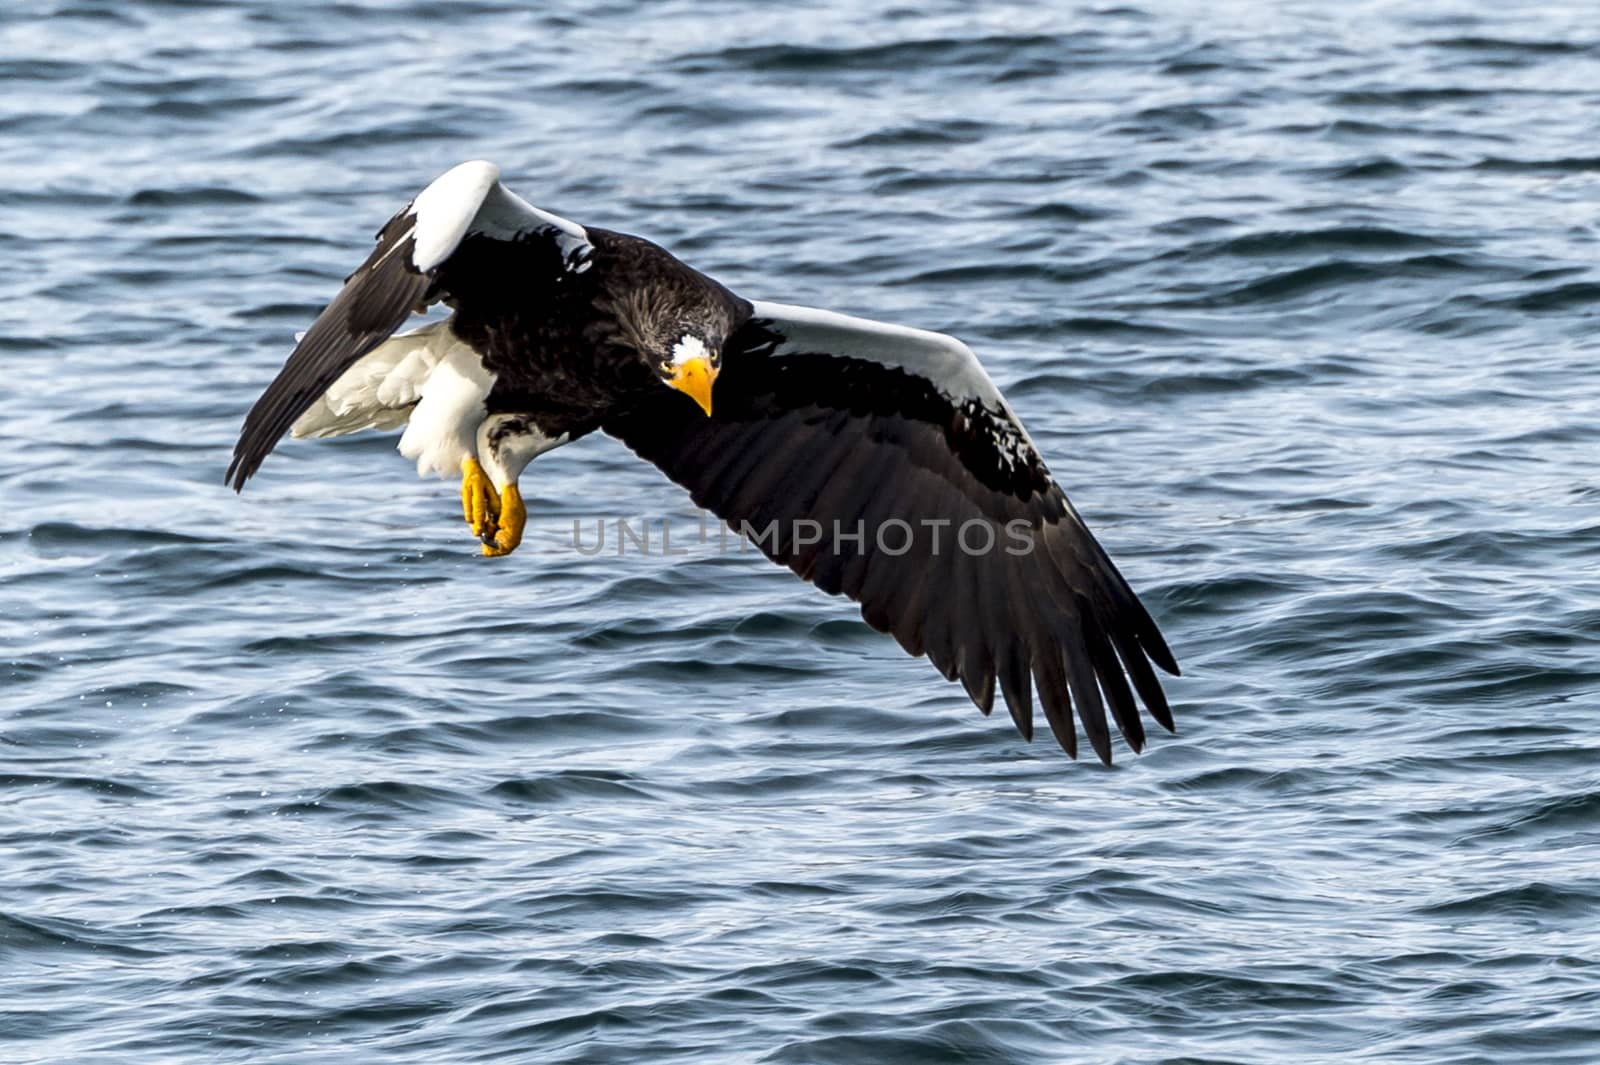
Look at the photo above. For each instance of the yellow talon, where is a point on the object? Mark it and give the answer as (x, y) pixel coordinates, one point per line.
(480, 503)
(512, 518)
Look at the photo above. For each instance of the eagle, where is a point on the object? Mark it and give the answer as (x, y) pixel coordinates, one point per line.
(876, 461)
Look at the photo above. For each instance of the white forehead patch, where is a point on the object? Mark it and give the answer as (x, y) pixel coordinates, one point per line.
(690, 347)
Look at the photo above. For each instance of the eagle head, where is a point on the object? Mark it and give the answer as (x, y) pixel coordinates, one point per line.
(676, 320)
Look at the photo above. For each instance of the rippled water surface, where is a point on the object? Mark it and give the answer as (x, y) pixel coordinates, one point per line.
(1299, 300)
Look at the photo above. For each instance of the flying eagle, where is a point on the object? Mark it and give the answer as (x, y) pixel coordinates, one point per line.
(876, 461)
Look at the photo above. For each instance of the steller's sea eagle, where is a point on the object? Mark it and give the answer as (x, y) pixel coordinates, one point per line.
(874, 460)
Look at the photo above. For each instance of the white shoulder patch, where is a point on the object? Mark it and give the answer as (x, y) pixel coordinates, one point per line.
(470, 199)
(945, 361)
(445, 209)
(505, 214)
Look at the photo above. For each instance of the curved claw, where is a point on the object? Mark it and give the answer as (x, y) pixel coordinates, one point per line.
(480, 503)
(512, 518)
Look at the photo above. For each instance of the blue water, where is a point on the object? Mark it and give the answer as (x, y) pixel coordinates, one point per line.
(1300, 302)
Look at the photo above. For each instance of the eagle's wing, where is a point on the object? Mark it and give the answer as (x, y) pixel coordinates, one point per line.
(882, 463)
(401, 275)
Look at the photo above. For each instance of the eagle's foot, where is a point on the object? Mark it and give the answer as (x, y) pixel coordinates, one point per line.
(508, 532)
(480, 503)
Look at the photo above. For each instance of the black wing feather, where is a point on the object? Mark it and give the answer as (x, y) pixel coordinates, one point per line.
(373, 303)
(798, 436)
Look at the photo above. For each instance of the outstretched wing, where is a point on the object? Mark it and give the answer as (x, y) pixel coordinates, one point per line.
(401, 275)
(882, 463)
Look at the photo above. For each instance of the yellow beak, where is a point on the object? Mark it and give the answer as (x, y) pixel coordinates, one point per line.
(694, 379)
